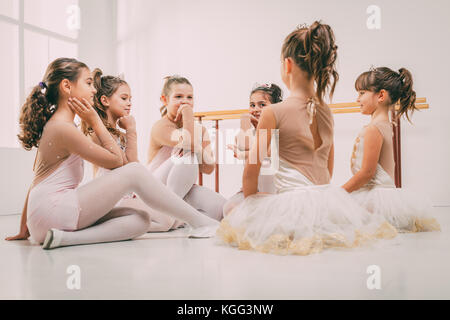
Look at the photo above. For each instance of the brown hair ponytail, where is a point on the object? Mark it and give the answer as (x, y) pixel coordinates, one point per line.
(314, 51)
(399, 86)
(407, 95)
(42, 102)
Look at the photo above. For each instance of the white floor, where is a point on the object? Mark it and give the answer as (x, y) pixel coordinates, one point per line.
(414, 266)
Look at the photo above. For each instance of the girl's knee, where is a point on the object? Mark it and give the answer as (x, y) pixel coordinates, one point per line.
(134, 167)
(144, 219)
(133, 171)
(218, 215)
(164, 223)
(187, 162)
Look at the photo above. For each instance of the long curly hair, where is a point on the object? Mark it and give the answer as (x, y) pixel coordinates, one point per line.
(42, 102)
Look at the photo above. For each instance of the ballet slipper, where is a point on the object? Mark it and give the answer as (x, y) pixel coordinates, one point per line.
(52, 239)
(208, 231)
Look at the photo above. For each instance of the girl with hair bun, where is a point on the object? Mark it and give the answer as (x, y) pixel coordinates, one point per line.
(372, 161)
(261, 96)
(58, 211)
(306, 215)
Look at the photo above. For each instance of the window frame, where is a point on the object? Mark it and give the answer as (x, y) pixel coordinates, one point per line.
(22, 26)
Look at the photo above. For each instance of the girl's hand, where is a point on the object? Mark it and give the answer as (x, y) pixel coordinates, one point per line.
(253, 119)
(84, 110)
(22, 235)
(127, 122)
(184, 109)
(233, 148)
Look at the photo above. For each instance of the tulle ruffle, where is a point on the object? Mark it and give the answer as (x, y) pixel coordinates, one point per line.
(405, 210)
(302, 222)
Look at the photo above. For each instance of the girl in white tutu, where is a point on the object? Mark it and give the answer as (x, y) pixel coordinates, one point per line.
(307, 214)
(372, 162)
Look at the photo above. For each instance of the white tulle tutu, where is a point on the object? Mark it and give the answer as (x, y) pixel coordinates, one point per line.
(301, 219)
(406, 210)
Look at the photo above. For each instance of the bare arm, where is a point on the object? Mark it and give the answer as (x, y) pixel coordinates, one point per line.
(165, 135)
(208, 162)
(243, 140)
(186, 137)
(94, 139)
(107, 155)
(244, 137)
(266, 125)
(191, 137)
(373, 140)
(23, 232)
(128, 123)
(331, 161)
(189, 133)
(131, 150)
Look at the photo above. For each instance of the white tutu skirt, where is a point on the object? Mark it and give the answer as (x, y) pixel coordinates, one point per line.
(407, 211)
(302, 222)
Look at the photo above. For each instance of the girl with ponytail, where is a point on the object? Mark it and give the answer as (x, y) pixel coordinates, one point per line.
(372, 161)
(58, 211)
(306, 215)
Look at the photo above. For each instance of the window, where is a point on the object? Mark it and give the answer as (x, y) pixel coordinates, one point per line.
(32, 33)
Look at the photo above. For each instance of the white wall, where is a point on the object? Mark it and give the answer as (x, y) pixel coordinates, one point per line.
(96, 47)
(224, 47)
(16, 172)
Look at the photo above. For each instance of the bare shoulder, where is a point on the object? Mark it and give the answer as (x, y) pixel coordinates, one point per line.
(372, 133)
(267, 119)
(163, 125)
(61, 127)
(277, 111)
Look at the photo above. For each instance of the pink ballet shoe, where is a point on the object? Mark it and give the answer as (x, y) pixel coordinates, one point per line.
(52, 239)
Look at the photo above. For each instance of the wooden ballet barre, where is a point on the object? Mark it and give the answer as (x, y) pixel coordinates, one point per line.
(337, 108)
(351, 107)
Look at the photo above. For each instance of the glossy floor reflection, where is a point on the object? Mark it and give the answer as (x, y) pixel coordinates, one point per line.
(165, 266)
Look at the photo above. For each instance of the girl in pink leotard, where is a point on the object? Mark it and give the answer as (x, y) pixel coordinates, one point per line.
(59, 212)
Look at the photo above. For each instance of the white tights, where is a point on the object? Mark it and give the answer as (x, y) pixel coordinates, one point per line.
(99, 221)
(180, 177)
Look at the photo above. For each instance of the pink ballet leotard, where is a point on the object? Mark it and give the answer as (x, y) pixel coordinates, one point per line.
(59, 169)
(53, 203)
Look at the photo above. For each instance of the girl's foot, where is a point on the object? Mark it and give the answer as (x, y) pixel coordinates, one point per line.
(52, 239)
(207, 231)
